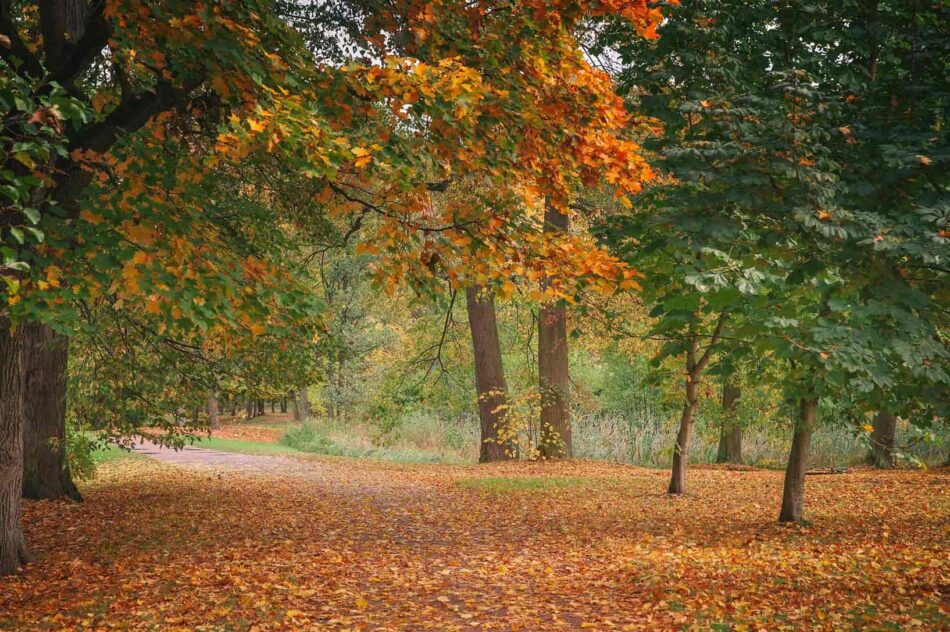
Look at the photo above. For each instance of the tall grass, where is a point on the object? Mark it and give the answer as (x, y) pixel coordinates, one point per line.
(645, 439)
(648, 441)
(416, 437)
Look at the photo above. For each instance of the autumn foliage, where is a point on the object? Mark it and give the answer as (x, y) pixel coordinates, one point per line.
(349, 545)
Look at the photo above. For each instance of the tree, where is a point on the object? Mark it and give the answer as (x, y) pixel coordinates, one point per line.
(74, 37)
(765, 131)
(45, 471)
(695, 363)
(214, 413)
(554, 435)
(881, 453)
(13, 551)
(793, 490)
(375, 139)
(490, 385)
(730, 433)
(301, 405)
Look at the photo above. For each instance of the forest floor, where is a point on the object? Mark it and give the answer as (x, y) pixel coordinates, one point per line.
(207, 540)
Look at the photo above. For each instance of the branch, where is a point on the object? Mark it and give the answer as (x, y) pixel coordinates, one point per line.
(17, 49)
(132, 114)
(712, 343)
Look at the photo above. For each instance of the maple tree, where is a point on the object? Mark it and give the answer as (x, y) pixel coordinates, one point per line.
(421, 116)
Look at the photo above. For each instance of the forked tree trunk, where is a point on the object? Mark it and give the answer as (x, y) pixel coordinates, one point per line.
(496, 438)
(730, 435)
(683, 437)
(45, 469)
(13, 552)
(881, 453)
(554, 434)
(793, 494)
(214, 414)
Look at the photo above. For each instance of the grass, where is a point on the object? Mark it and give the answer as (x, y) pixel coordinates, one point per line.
(354, 442)
(505, 484)
(244, 447)
(111, 453)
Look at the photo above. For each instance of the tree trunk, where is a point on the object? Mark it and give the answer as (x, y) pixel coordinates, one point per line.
(340, 385)
(329, 390)
(13, 552)
(45, 470)
(273, 406)
(283, 405)
(793, 495)
(260, 408)
(301, 405)
(882, 440)
(232, 402)
(681, 448)
(214, 414)
(554, 435)
(730, 435)
(249, 407)
(490, 386)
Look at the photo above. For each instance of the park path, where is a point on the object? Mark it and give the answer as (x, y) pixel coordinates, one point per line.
(375, 482)
(216, 459)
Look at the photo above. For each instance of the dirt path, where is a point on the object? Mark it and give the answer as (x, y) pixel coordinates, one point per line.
(217, 460)
(376, 482)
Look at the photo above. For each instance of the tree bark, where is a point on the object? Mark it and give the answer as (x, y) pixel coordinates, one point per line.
(554, 435)
(882, 440)
(793, 494)
(490, 385)
(249, 407)
(730, 435)
(13, 551)
(683, 437)
(301, 405)
(45, 470)
(214, 414)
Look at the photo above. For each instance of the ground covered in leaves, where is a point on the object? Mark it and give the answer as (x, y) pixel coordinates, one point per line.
(357, 545)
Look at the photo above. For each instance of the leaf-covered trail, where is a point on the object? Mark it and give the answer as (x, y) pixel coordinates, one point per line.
(241, 542)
